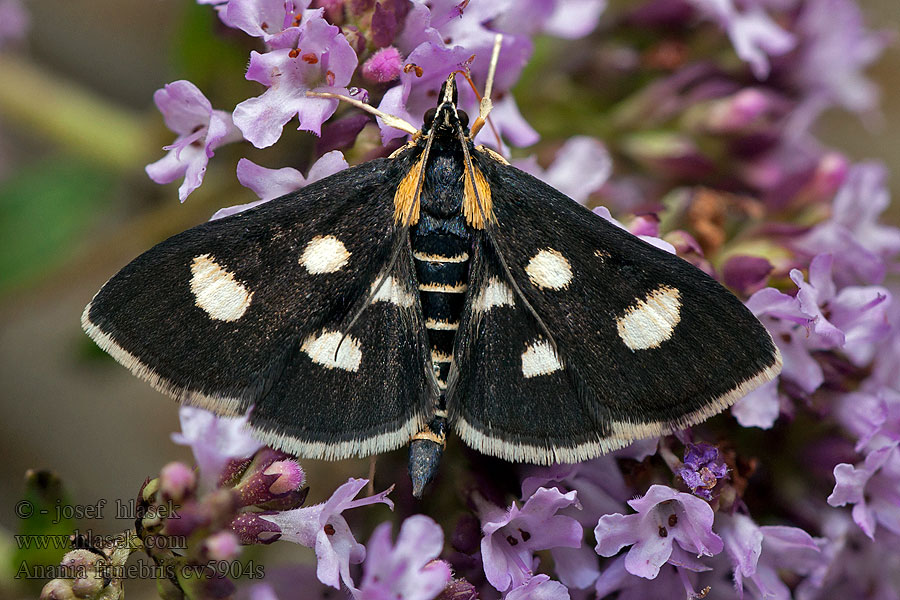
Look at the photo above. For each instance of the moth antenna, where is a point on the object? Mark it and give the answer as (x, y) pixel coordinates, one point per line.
(389, 120)
(485, 105)
(489, 228)
(420, 183)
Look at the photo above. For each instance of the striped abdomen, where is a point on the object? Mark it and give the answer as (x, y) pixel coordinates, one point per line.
(442, 268)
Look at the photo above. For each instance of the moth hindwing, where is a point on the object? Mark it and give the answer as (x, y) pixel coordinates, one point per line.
(438, 290)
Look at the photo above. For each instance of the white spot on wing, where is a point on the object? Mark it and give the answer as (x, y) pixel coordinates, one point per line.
(495, 293)
(321, 350)
(549, 269)
(324, 254)
(217, 291)
(540, 359)
(392, 291)
(652, 320)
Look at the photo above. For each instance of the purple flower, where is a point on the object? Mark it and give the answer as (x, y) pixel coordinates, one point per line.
(753, 33)
(871, 414)
(653, 241)
(760, 408)
(443, 36)
(638, 450)
(287, 583)
(873, 488)
(835, 47)
(314, 56)
(818, 318)
(264, 18)
(856, 316)
(819, 290)
(408, 570)
(760, 553)
(539, 587)
(572, 19)
(200, 130)
(324, 528)
(746, 274)
(14, 22)
(215, 442)
(886, 366)
(860, 244)
(600, 484)
(512, 536)
(274, 183)
(435, 63)
(531, 17)
(856, 567)
(663, 516)
(785, 319)
(581, 167)
(672, 582)
(703, 468)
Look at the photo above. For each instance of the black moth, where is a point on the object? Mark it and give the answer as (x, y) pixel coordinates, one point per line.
(438, 289)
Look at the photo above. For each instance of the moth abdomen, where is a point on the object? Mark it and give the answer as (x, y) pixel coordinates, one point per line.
(441, 244)
(442, 271)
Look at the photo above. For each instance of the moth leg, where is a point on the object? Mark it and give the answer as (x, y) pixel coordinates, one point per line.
(389, 120)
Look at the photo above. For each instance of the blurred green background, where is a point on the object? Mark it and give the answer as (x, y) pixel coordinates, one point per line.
(77, 126)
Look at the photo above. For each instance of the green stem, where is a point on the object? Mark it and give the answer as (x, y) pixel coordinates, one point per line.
(71, 116)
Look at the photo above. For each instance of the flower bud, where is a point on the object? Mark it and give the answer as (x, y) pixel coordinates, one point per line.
(830, 174)
(177, 481)
(458, 589)
(251, 528)
(58, 589)
(223, 545)
(334, 10)
(733, 114)
(290, 476)
(746, 274)
(383, 66)
(672, 153)
(271, 475)
(84, 579)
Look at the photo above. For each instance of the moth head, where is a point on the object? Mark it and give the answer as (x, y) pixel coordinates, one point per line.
(445, 118)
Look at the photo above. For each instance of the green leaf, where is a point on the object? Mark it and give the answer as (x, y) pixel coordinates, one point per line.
(44, 210)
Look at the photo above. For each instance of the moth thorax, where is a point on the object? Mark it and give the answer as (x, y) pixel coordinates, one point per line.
(477, 200)
(477, 205)
(405, 201)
